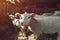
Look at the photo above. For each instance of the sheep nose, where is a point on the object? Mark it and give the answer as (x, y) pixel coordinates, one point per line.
(21, 23)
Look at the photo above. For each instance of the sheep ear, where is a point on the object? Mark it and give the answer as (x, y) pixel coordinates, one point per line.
(25, 12)
(17, 14)
(33, 14)
(11, 16)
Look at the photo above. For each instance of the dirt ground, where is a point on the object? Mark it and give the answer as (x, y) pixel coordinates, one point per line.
(22, 37)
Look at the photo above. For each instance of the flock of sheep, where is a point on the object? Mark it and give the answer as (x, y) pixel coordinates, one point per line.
(56, 13)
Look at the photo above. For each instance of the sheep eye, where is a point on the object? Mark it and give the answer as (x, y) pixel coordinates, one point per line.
(28, 17)
(21, 17)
